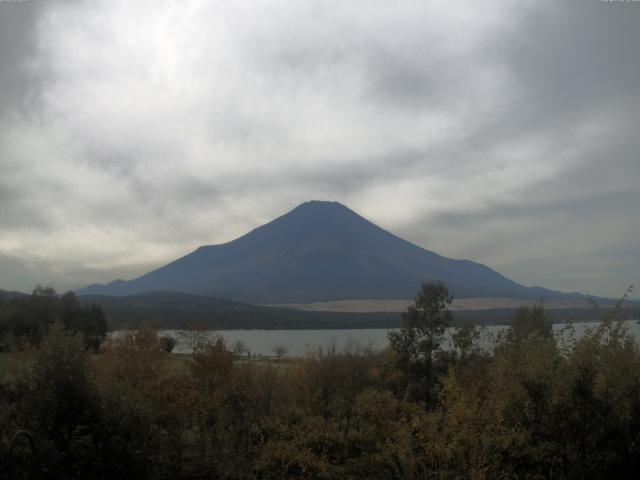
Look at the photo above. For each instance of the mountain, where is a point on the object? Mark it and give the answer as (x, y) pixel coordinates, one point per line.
(319, 251)
(7, 295)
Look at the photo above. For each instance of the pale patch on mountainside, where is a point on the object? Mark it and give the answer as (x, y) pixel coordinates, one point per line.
(398, 305)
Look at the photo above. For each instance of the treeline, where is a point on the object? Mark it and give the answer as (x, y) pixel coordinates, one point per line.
(536, 406)
(25, 319)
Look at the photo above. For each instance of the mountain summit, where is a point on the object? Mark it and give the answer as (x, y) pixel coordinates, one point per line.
(319, 251)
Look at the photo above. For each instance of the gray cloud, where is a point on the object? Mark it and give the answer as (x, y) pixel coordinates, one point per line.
(16, 45)
(131, 133)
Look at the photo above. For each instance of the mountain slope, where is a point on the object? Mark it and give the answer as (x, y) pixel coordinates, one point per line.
(7, 295)
(319, 251)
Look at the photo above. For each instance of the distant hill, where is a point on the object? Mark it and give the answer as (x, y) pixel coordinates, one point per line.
(174, 310)
(7, 295)
(319, 251)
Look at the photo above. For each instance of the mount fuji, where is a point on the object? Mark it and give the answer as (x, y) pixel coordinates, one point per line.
(319, 251)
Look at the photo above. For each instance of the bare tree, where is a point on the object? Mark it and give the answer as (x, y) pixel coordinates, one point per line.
(195, 339)
(279, 351)
(239, 348)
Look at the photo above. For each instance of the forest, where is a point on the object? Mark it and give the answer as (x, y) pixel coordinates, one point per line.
(539, 405)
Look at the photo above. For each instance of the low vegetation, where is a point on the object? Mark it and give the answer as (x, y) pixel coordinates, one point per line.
(538, 405)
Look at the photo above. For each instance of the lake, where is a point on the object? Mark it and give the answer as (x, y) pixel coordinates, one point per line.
(299, 342)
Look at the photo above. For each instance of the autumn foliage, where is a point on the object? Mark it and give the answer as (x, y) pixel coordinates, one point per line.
(538, 405)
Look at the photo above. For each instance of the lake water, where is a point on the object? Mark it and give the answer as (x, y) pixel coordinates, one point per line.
(299, 342)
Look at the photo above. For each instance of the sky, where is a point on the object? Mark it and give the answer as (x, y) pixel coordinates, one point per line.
(506, 132)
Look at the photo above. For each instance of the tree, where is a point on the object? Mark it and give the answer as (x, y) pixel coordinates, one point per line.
(212, 364)
(530, 321)
(239, 348)
(62, 405)
(167, 343)
(418, 341)
(29, 318)
(95, 326)
(279, 351)
(195, 337)
(465, 341)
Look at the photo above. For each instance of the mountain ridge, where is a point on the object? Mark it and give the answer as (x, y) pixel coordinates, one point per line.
(319, 251)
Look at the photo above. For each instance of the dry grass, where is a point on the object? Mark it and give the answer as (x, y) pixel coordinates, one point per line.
(13, 365)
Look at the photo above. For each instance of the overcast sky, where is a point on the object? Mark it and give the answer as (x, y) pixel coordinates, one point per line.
(502, 132)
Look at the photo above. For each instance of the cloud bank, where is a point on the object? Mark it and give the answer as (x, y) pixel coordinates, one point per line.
(133, 132)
